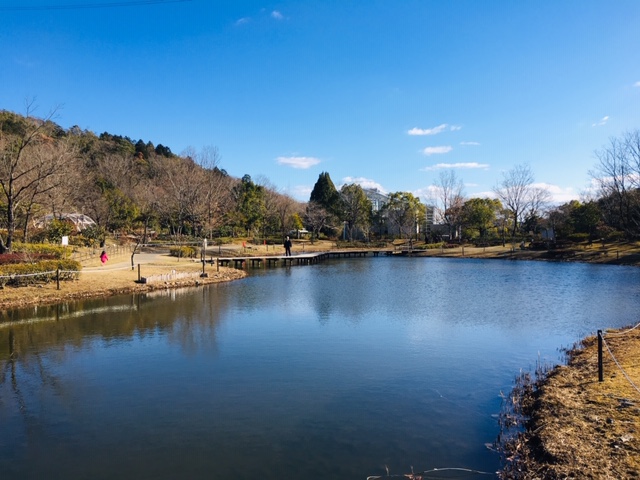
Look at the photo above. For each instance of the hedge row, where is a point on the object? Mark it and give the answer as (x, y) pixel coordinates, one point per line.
(184, 251)
(432, 246)
(41, 272)
(55, 251)
(13, 258)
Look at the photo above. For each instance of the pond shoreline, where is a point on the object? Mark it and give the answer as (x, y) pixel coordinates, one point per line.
(567, 393)
(114, 281)
(121, 279)
(566, 424)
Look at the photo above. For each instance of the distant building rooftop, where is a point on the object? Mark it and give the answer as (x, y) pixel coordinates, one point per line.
(80, 220)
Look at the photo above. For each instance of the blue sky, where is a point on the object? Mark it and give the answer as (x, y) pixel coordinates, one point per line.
(382, 93)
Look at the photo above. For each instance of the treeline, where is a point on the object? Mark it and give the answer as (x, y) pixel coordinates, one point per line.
(125, 186)
(521, 209)
(135, 187)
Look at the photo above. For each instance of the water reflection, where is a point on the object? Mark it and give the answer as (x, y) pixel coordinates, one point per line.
(325, 371)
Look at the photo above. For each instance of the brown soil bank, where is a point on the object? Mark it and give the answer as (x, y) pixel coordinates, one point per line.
(576, 427)
(116, 277)
(627, 253)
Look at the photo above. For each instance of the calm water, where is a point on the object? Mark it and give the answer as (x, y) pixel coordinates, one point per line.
(326, 371)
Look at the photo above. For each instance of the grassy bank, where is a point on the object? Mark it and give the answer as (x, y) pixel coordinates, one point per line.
(560, 424)
(116, 277)
(565, 423)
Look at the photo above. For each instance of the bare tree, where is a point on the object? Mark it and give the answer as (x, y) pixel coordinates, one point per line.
(356, 208)
(617, 176)
(56, 171)
(182, 195)
(631, 142)
(450, 200)
(32, 162)
(285, 207)
(216, 189)
(520, 196)
(278, 208)
(405, 212)
(316, 217)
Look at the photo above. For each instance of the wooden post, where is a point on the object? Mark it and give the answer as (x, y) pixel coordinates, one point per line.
(600, 372)
(58, 279)
(139, 277)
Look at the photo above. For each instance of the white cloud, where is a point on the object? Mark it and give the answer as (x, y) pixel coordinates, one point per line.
(302, 192)
(275, 15)
(363, 182)
(487, 194)
(470, 144)
(469, 165)
(558, 194)
(427, 195)
(637, 84)
(602, 121)
(298, 162)
(437, 150)
(433, 131)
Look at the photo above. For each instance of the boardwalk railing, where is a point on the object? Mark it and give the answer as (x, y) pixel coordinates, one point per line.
(299, 259)
(169, 277)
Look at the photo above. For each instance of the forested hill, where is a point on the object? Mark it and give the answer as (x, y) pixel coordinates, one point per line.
(131, 187)
(124, 185)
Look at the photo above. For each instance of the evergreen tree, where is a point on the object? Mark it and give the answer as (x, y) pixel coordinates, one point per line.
(324, 193)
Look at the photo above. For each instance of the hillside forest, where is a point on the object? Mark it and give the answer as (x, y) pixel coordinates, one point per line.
(135, 189)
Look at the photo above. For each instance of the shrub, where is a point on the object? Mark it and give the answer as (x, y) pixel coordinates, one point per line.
(221, 241)
(19, 257)
(41, 272)
(55, 251)
(57, 229)
(93, 235)
(429, 246)
(183, 251)
(578, 237)
(615, 236)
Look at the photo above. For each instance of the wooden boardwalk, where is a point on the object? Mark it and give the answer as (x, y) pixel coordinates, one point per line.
(298, 259)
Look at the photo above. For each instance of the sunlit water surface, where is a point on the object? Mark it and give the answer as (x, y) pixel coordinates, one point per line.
(325, 371)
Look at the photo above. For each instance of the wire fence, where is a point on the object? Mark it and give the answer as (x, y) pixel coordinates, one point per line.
(39, 277)
(609, 347)
(114, 250)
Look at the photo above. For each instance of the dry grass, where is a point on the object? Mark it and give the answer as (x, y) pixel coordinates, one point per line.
(614, 254)
(117, 276)
(114, 278)
(578, 427)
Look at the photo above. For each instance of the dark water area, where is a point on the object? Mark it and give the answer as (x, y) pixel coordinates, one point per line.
(323, 371)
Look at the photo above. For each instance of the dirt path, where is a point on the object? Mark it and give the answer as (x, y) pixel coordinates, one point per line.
(117, 276)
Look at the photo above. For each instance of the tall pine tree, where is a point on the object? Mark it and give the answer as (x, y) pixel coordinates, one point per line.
(324, 193)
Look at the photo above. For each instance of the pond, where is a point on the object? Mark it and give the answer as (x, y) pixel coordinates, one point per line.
(335, 370)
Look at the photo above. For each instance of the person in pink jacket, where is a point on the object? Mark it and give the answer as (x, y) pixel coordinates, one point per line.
(103, 257)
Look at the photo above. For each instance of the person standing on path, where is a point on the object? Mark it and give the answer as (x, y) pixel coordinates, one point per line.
(103, 257)
(287, 247)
